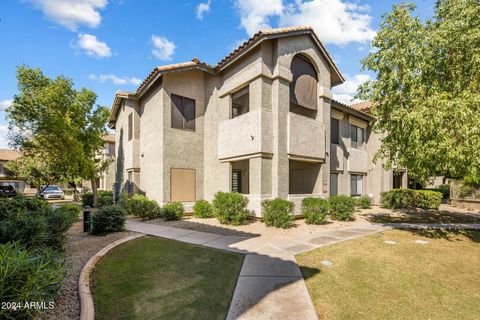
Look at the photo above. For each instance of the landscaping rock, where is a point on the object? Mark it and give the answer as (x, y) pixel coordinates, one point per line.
(327, 263)
(421, 241)
(390, 242)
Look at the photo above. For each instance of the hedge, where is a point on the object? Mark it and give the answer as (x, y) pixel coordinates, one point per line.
(315, 210)
(408, 198)
(108, 219)
(277, 213)
(230, 208)
(342, 207)
(427, 199)
(140, 206)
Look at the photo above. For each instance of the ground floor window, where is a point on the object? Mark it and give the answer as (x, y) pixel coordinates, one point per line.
(182, 184)
(356, 185)
(397, 180)
(240, 176)
(130, 182)
(333, 184)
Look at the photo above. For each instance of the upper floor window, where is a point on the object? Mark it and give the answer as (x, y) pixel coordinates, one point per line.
(303, 88)
(335, 131)
(183, 113)
(240, 102)
(357, 136)
(130, 126)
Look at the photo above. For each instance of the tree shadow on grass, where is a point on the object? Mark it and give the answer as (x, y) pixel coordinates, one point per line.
(447, 234)
(423, 216)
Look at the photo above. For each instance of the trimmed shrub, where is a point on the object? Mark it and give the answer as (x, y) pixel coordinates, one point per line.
(342, 207)
(444, 189)
(104, 198)
(108, 219)
(427, 199)
(173, 211)
(202, 209)
(364, 202)
(140, 206)
(28, 276)
(315, 210)
(230, 207)
(40, 228)
(21, 204)
(398, 199)
(277, 213)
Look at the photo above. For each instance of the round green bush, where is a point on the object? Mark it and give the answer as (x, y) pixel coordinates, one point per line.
(426, 199)
(104, 198)
(398, 199)
(277, 213)
(28, 276)
(108, 219)
(173, 211)
(140, 206)
(202, 209)
(342, 207)
(364, 202)
(315, 210)
(230, 208)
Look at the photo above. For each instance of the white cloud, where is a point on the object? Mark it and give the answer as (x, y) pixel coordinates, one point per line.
(347, 90)
(92, 46)
(254, 14)
(72, 13)
(102, 78)
(203, 8)
(5, 104)
(163, 48)
(335, 21)
(4, 137)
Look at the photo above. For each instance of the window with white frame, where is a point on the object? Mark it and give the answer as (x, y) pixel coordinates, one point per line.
(356, 185)
(357, 136)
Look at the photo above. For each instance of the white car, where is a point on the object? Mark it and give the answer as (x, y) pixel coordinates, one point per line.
(52, 192)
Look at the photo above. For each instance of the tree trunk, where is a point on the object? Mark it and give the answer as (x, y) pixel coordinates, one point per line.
(94, 191)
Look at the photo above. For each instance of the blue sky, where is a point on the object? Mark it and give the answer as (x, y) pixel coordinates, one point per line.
(112, 45)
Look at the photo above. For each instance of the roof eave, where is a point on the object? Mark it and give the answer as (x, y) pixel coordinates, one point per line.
(119, 97)
(345, 108)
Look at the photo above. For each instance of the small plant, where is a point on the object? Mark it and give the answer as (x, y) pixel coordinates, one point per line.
(364, 202)
(315, 210)
(342, 207)
(173, 211)
(202, 209)
(26, 276)
(230, 208)
(140, 206)
(108, 219)
(104, 198)
(277, 213)
(398, 199)
(427, 199)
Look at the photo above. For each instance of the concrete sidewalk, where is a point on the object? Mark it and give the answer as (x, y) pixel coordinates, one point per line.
(270, 284)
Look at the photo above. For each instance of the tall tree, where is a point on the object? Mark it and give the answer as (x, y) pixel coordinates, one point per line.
(58, 127)
(427, 92)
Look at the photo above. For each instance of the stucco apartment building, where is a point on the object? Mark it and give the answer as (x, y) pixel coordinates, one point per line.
(261, 122)
(6, 179)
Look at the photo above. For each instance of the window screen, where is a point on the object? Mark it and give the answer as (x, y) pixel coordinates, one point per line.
(356, 185)
(130, 126)
(357, 136)
(183, 113)
(333, 184)
(182, 184)
(335, 131)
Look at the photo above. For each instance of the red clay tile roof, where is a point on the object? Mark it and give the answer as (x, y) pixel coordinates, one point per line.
(351, 107)
(8, 154)
(110, 138)
(364, 106)
(195, 63)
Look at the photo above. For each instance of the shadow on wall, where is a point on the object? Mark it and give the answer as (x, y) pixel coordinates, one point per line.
(120, 167)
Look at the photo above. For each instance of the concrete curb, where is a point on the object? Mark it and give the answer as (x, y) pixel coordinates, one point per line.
(87, 311)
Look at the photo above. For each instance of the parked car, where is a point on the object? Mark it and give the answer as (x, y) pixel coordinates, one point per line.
(7, 191)
(52, 192)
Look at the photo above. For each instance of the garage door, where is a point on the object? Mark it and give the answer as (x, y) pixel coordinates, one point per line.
(182, 184)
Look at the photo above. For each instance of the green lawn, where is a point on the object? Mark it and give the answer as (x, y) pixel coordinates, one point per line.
(154, 278)
(370, 279)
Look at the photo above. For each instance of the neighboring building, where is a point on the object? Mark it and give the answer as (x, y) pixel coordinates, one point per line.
(261, 122)
(7, 155)
(107, 178)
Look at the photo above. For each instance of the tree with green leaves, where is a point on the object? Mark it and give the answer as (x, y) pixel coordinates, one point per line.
(427, 92)
(57, 128)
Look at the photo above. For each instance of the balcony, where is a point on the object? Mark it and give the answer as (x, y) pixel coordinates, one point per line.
(246, 135)
(306, 138)
(357, 160)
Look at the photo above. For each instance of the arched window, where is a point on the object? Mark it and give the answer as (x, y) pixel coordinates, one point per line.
(303, 88)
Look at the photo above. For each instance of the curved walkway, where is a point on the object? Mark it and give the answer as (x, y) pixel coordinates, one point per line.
(270, 285)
